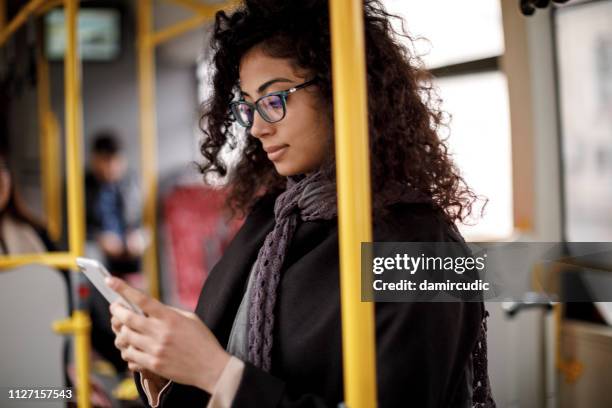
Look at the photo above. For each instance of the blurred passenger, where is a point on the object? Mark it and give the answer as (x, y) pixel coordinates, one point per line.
(112, 207)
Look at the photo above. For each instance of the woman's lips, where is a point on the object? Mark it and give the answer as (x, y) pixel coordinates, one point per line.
(275, 152)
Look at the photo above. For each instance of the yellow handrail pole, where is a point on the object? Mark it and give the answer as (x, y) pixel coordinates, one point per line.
(208, 10)
(203, 13)
(354, 201)
(61, 260)
(50, 4)
(49, 148)
(177, 29)
(55, 200)
(148, 138)
(194, 6)
(19, 19)
(75, 180)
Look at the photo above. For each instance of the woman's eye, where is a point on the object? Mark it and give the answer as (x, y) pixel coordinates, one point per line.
(276, 103)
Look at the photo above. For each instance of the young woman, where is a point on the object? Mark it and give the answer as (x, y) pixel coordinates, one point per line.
(266, 331)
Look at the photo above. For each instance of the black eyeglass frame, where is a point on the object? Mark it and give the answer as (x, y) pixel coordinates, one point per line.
(255, 105)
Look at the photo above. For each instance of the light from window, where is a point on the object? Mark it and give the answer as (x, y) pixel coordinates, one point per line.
(457, 31)
(480, 144)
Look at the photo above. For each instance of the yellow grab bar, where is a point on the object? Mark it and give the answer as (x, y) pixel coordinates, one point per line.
(354, 201)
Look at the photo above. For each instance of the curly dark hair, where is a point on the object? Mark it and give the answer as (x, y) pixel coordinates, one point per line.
(404, 118)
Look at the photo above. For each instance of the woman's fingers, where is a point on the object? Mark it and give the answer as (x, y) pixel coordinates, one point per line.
(120, 343)
(125, 316)
(115, 325)
(130, 338)
(135, 367)
(126, 354)
(150, 306)
(140, 359)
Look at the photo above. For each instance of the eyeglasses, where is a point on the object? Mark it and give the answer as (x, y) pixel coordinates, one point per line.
(271, 107)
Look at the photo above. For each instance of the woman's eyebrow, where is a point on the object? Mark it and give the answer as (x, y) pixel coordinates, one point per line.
(266, 84)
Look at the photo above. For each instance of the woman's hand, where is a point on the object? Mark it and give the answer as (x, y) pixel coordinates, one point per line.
(171, 343)
(122, 345)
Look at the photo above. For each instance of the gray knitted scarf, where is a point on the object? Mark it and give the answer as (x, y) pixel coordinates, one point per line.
(311, 198)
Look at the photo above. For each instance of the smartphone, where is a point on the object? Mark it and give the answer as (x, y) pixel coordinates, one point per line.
(96, 273)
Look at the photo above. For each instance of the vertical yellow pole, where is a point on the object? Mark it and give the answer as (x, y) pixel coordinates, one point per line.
(81, 329)
(148, 137)
(43, 94)
(354, 201)
(54, 201)
(73, 137)
(75, 181)
(49, 148)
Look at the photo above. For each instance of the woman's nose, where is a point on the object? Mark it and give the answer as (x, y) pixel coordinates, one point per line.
(260, 127)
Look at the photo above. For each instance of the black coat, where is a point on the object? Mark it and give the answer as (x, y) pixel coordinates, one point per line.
(423, 349)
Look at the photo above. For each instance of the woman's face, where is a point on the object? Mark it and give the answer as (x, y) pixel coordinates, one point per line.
(299, 142)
